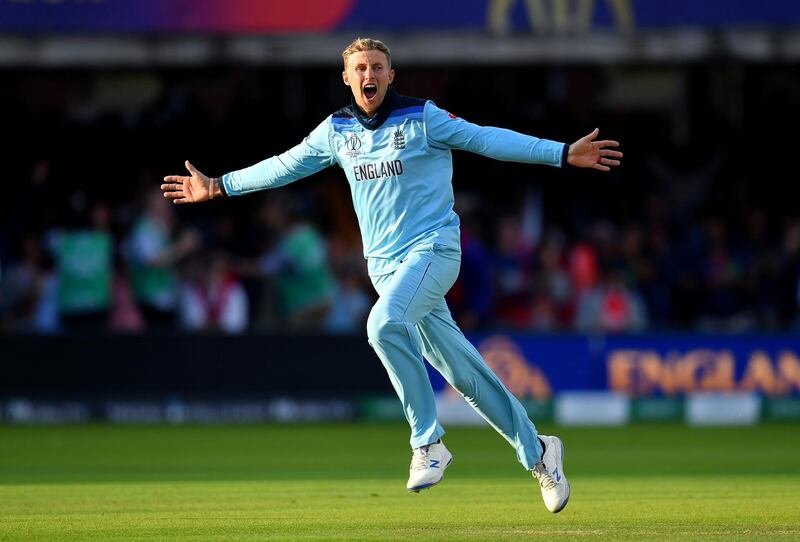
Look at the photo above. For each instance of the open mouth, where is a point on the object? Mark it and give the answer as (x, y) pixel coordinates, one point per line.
(370, 90)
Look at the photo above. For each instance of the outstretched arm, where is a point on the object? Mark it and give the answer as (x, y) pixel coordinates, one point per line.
(311, 155)
(448, 131)
(451, 132)
(588, 153)
(194, 188)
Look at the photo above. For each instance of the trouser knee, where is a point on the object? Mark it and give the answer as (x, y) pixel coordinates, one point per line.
(382, 329)
(464, 382)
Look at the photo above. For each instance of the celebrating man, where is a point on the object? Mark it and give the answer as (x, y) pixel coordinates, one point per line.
(396, 154)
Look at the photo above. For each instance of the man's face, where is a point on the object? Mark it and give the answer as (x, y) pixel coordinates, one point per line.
(368, 75)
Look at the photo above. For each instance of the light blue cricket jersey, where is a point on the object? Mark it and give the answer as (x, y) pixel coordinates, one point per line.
(400, 170)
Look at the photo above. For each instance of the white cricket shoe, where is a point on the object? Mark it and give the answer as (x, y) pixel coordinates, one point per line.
(427, 466)
(550, 473)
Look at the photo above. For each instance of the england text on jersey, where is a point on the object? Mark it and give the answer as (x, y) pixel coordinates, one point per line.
(378, 170)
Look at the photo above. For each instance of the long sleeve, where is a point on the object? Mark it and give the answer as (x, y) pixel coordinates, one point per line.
(451, 132)
(311, 155)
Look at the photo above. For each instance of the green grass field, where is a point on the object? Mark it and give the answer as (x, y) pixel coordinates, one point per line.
(347, 482)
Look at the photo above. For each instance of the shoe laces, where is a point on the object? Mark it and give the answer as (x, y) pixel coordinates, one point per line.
(419, 459)
(541, 473)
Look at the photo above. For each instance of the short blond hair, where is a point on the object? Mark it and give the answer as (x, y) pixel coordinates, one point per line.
(366, 44)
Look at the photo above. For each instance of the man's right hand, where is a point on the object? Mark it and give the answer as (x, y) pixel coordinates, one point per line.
(195, 188)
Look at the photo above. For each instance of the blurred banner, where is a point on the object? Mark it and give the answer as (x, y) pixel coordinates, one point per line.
(271, 16)
(641, 365)
(614, 380)
(567, 379)
(532, 366)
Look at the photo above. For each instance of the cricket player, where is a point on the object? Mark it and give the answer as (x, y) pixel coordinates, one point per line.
(396, 154)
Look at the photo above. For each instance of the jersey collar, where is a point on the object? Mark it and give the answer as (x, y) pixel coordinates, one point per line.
(384, 110)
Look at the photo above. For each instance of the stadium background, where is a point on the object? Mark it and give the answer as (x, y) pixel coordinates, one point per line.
(202, 372)
(678, 274)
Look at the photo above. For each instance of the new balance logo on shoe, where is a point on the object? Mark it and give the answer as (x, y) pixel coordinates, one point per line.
(556, 475)
(428, 464)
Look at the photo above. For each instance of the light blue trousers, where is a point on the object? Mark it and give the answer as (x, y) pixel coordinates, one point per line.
(411, 320)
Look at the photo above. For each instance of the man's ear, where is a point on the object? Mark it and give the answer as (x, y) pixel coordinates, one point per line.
(345, 78)
(391, 76)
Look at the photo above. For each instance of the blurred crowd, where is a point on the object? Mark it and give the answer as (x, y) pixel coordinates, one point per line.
(143, 266)
(138, 267)
(684, 236)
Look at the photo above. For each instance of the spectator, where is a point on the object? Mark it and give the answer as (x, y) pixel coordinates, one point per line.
(513, 266)
(298, 264)
(472, 296)
(761, 262)
(125, 316)
(722, 275)
(655, 274)
(211, 296)
(28, 291)
(583, 268)
(84, 264)
(554, 293)
(611, 307)
(351, 303)
(152, 256)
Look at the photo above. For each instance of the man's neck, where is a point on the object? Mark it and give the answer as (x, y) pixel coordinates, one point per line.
(377, 118)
